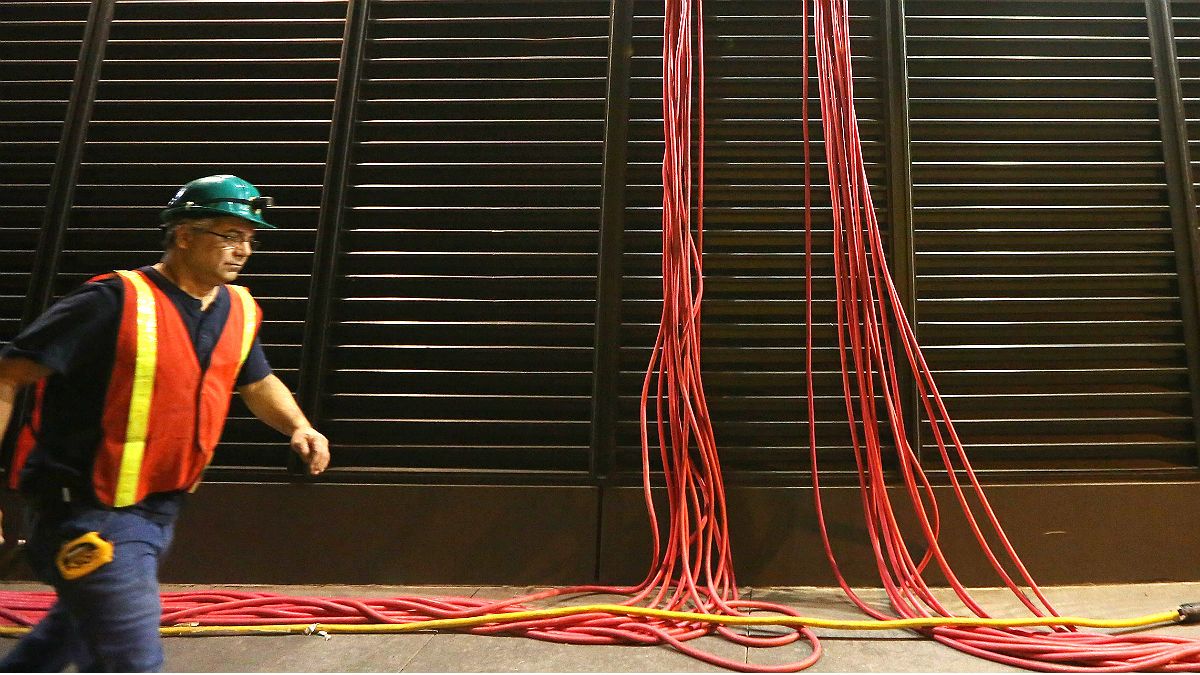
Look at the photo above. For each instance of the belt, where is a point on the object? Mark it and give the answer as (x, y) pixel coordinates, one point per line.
(55, 498)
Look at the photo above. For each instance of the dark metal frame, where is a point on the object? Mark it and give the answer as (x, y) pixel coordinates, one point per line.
(612, 231)
(63, 179)
(69, 158)
(332, 216)
(607, 344)
(1185, 221)
(900, 200)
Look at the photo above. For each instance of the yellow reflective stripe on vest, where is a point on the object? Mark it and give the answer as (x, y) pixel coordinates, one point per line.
(249, 320)
(145, 363)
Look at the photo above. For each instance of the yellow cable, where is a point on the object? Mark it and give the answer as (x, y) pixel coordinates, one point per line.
(1172, 616)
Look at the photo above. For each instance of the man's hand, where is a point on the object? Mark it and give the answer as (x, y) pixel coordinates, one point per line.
(313, 448)
(271, 402)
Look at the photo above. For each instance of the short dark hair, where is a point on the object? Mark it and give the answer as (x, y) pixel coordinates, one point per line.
(172, 226)
(168, 241)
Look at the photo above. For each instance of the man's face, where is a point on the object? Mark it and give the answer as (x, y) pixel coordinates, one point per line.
(218, 248)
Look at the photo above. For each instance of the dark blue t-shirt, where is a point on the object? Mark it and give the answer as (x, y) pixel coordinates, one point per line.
(76, 338)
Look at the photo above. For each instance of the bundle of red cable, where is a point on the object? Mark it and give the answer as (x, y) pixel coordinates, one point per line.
(694, 570)
(868, 311)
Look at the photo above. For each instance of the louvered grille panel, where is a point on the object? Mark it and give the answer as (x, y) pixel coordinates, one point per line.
(1047, 293)
(39, 47)
(1185, 16)
(1048, 298)
(754, 230)
(187, 91)
(466, 306)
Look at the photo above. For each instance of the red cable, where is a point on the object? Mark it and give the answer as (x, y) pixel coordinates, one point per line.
(868, 310)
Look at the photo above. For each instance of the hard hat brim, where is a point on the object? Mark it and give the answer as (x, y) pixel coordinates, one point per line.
(168, 215)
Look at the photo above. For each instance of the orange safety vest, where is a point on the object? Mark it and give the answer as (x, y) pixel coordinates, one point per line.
(162, 414)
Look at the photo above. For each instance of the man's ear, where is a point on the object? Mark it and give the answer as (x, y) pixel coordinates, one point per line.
(184, 235)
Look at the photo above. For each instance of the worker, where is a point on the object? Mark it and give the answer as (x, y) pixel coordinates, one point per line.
(135, 371)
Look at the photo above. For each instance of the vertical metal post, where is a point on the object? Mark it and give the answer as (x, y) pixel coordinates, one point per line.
(332, 215)
(68, 159)
(899, 191)
(61, 195)
(606, 365)
(1180, 192)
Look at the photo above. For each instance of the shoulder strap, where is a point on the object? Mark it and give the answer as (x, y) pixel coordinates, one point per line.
(105, 277)
(250, 318)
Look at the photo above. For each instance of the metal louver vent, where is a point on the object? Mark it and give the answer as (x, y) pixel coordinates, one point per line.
(39, 47)
(1048, 299)
(754, 230)
(466, 306)
(1047, 263)
(188, 90)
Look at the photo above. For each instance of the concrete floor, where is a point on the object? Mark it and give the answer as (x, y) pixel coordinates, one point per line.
(885, 651)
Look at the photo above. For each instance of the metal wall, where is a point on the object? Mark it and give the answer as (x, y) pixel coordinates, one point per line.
(464, 289)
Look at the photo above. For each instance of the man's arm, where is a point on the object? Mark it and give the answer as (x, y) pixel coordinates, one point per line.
(271, 402)
(15, 373)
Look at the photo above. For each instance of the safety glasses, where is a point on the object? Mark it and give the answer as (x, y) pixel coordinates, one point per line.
(232, 239)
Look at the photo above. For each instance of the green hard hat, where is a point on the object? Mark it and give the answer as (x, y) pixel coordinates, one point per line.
(222, 195)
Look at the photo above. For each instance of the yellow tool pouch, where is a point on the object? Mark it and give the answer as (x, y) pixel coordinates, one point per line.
(83, 555)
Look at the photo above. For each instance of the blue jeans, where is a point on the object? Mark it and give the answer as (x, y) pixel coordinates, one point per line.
(106, 621)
